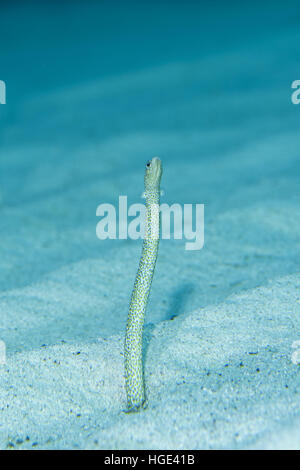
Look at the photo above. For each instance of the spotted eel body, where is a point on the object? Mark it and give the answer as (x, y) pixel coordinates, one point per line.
(134, 377)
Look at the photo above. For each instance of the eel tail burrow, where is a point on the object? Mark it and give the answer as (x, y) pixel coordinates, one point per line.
(134, 376)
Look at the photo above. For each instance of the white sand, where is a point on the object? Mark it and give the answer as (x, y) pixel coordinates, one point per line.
(218, 377)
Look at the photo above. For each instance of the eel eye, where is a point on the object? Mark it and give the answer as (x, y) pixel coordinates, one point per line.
(148, 163)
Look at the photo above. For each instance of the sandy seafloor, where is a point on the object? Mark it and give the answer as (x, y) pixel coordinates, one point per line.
(93, 91)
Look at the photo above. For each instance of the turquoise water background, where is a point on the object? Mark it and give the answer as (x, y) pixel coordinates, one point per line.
(95, 89)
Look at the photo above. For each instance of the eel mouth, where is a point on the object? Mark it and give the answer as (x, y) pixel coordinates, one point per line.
(154, 168)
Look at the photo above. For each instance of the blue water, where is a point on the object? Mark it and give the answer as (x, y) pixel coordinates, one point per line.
(95, 89)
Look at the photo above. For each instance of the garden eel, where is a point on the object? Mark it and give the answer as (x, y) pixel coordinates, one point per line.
(134, 376)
